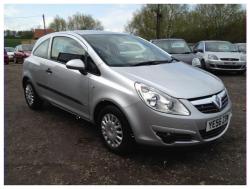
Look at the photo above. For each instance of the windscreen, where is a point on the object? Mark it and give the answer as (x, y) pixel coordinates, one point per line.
(124, 50)
(9, 49)
(220, 46)
(173, 46)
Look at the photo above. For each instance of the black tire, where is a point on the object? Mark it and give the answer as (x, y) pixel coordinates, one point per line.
(203, 65)
(127, 135)
(37, 102)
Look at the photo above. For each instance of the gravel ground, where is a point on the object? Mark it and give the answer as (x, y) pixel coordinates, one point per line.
(52, 147)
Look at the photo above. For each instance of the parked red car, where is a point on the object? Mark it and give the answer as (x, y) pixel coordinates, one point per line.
(21, 52)
(6, 58)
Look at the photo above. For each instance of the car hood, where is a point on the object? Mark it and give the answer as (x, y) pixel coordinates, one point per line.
(226, 54)
(175, 79)
(187, 58)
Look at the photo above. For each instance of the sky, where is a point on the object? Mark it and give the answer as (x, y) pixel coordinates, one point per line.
(24, 17)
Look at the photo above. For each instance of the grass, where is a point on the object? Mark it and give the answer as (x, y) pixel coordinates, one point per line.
(14, 42)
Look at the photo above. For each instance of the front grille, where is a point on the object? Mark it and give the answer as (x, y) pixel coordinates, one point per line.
(230, 59)
(229, 66)
(213, 133)
(210, 107)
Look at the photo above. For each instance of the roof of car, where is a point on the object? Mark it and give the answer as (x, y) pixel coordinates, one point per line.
(166, 39)
(214, 41)
(86, 32)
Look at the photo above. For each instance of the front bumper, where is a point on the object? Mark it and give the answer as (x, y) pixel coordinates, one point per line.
(149, 125)
(226, 65)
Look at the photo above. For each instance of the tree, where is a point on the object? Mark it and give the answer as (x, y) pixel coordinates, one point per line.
(144, 20)
(58, 24)
(200, 22)
(83, 22)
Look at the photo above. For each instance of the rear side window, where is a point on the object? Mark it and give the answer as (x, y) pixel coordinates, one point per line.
(64, 49)
(42, 49)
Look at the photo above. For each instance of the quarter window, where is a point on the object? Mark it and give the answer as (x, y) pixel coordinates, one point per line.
(42, 49)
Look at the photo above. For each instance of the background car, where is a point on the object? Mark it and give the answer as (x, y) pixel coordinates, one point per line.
(10, 52)
(241, 47)
(179, 49)
(21, 52)
(220, 55)
(6, 58)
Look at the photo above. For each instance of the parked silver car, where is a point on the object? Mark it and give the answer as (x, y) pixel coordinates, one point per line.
(131, 89)
(179, 49)
(220, 55)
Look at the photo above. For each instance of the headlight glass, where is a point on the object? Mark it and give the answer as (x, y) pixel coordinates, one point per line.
(159, 101)
(212, 57)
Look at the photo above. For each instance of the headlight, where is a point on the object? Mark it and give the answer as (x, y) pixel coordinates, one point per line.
(196, 62)
(159, 101)
(212, 57)
(243, 58)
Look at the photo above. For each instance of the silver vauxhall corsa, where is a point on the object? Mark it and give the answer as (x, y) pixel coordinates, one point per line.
(130, 88)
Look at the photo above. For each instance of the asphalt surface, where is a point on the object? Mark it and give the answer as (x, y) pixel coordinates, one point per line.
(52, 147)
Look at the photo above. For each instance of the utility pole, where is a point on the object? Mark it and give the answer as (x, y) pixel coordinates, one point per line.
(44, 27)
(158, 16)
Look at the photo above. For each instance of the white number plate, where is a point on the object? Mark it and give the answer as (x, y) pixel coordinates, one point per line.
(218, 122)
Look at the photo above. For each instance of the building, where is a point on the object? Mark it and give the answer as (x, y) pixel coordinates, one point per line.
(40, 32)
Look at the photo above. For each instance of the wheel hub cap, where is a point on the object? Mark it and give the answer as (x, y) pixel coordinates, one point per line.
(111, 130)
(29, 94)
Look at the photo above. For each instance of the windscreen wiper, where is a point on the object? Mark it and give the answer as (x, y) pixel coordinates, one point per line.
(154, 62)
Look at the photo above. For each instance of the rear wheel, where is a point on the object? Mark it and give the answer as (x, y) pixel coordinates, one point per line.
(31, 97)
(115, 130)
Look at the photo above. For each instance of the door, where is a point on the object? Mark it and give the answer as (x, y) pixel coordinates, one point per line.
(68, 88)
(39, 66)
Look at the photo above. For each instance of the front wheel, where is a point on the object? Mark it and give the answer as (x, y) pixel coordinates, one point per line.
(203, 64)
(31, 97)
(115, 130)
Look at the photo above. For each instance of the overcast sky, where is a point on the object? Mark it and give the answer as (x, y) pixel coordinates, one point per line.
(112, 16)
(24, 17)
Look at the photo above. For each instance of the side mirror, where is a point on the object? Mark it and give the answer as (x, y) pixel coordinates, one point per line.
(77, 64)
(198, 50)
(196, 62)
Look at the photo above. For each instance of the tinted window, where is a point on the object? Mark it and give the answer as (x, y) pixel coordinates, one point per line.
(173, 46)
(124, 50)
(42, 49)
(65, 49)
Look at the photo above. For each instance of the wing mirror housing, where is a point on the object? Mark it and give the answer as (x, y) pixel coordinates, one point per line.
(196, 62)
(77, 64)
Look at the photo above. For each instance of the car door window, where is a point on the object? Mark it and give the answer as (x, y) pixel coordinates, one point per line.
(42, 49)
(65, 49)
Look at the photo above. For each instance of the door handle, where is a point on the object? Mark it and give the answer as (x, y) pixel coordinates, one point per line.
(49, 71)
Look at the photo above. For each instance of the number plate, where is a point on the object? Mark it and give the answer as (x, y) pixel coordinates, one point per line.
(218, 122)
